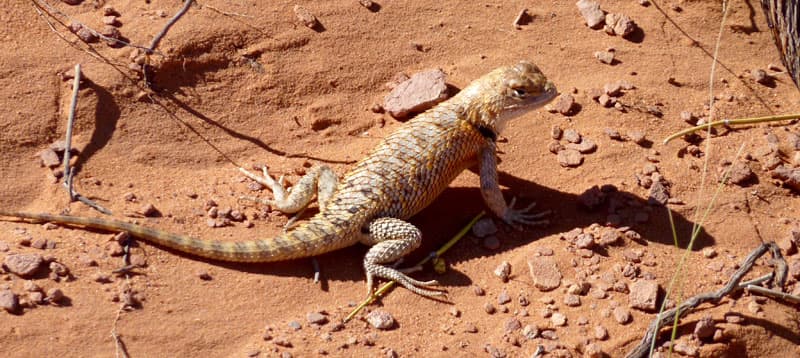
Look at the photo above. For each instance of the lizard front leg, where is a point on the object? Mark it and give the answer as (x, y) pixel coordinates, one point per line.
(320, 180)
(391, 239)
(490, 190)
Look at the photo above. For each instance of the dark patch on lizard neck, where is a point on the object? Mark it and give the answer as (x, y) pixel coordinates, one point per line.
(486, 132)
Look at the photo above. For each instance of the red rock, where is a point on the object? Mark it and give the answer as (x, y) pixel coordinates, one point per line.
(420, 92)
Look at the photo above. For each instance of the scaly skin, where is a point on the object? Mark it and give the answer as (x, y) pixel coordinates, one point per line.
(400, 177)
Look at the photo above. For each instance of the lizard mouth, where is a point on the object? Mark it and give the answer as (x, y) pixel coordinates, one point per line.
(550, 92)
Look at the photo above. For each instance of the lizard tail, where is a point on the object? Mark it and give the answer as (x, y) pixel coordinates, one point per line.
(311, 238)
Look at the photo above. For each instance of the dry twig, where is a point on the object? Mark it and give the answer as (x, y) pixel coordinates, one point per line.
(169, 24)
(686, 307)
(68, 147)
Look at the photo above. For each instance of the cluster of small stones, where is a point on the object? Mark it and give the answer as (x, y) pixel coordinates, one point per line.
(51, 158)
(650, 178)
(615, 293)
(216, 217)
(570, 154)
(609, 96)
(778, 159)
(30, 268)
(110, 33)
(625, 208)
(611, 23)
(327, 328)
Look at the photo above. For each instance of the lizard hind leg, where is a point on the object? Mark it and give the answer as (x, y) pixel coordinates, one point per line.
(391, 239)
(320, 180)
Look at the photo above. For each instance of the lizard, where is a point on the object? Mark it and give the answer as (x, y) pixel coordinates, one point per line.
(404, 173)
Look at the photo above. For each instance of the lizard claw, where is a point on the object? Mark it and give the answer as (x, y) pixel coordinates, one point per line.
(402, 279)
(516, 217)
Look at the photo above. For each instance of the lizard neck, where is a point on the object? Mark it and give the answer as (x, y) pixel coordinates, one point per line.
(480, 110)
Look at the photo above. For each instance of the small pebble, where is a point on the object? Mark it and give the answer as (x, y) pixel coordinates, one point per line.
(489, 308)
(101, 277)
(305, 17)
(112, 34)
(572, 136)
(478, 291)
(59, 269)
(558, 319)
(54, 295)
(282, 342)
(593, 350)
(685, 348)
(9, 301)
(760, 76)
(688, 117)
(316, 318)
(585, 241)
(39, 243)
(380, 319)
(31, 286)
(295, 325)
(36, 297)
(503, 271)
(564, 104)
(572, 300)
(530, 332)
(455, 312)
(570, 158)
(612, 133)
(600, 333)
(110, 20)
(512, 325)
(606, 100)
(549, 334)
(503, 297)
(556, 132)
(604, 57)
(613, 89)
(49, 158)
(622, 315)
(110, 11)
(637, 137)
(203, 275)
(705, 328)
(545, 273)
(585, 146)
(591, 12)
(619, 24)
(149, 210)
(643, 295)
(484, 227)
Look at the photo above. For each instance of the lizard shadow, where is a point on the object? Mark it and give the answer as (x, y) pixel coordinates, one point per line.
(456, 206)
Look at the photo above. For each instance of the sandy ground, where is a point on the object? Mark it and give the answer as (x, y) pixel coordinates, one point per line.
(245, 83)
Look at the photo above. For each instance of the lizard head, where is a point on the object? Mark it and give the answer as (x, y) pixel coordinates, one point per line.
(507, 93)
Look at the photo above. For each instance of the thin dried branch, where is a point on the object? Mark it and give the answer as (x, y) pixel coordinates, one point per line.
(688, 306)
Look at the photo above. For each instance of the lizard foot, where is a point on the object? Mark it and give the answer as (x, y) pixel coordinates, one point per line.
(375, 270)
(277, 187)
(522, 216)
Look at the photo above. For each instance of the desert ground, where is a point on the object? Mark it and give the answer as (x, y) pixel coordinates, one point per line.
(246, 83)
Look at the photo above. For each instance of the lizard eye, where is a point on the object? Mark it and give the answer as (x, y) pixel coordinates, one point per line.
(519, 92)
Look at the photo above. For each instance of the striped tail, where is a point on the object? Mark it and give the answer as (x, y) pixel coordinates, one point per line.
(311, 238)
